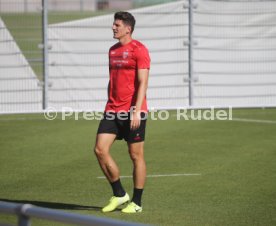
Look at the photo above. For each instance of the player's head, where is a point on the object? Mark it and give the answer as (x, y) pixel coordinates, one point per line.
(123, 24)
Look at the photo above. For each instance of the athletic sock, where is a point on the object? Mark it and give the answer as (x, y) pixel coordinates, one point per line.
(118, 189)
(137, 196)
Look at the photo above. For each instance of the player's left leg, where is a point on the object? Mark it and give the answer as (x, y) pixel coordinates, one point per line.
(136, 152)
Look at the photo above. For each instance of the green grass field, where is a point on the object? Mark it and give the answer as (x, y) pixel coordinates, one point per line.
(51, 164)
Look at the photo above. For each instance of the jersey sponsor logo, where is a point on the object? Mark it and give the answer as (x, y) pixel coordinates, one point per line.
(112, 52)
(119, 63)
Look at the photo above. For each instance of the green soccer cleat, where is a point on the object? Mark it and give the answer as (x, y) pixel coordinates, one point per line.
(114, 202)
(132, 208)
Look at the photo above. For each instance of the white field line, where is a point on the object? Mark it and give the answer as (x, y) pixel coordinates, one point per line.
(239, 120)
(163, 175)
(37, 119)
(21, 119)
(254, 120)
(173, 115)
(80, 117)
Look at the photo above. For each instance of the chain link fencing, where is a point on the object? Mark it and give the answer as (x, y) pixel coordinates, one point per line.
(214, 53)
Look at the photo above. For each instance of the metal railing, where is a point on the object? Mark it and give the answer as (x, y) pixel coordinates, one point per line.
(26, 211)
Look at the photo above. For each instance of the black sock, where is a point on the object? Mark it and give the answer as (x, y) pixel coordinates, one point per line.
(118, 189)
(137, 196)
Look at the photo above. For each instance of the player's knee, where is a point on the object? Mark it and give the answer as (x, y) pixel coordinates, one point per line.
(99, 152)
(135, 156)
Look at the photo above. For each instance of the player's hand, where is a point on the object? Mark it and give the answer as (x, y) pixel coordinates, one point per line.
(135, 120)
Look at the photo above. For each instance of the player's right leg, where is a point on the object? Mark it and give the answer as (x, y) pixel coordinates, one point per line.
(110, 170)
(102, 151)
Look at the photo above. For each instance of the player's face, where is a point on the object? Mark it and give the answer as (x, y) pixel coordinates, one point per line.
(120, 30)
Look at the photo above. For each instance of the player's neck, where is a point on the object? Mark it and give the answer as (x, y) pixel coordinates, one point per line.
(125, 40)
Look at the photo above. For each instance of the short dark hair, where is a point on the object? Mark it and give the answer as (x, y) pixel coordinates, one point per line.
(127, 19)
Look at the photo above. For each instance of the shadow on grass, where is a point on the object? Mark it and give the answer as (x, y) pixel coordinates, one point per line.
(54, 205)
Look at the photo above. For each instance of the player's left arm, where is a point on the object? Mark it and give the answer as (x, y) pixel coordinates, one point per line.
(143, 75)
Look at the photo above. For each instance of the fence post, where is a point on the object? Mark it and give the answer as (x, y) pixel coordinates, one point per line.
(190, 43)
(45, 52)
(23, 220)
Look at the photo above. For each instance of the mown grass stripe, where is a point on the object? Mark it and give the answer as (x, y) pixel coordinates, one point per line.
(162, 175)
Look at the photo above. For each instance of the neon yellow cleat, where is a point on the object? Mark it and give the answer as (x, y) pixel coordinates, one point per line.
(132, 208)
(114, 202)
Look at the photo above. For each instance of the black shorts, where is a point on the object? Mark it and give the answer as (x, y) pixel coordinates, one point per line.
(120, 126)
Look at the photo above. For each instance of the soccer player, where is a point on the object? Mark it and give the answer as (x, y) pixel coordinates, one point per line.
(125, 112)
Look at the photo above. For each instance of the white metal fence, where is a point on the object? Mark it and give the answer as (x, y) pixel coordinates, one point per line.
(204, 53)
(29, 6)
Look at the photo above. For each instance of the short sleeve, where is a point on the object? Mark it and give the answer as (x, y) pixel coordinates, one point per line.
(143, 58)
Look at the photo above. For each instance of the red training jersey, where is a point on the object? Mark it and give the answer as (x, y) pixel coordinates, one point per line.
(124, 62)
